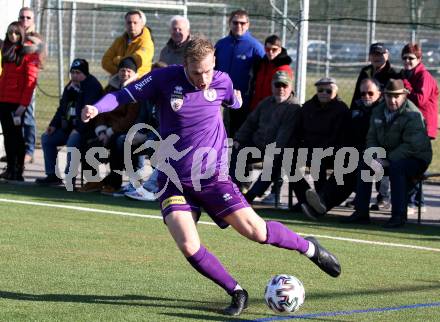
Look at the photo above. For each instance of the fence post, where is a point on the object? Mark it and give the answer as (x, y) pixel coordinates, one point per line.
(60, 48)
(301, 61)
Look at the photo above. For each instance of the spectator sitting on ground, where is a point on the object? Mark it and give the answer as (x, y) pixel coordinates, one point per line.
(276, 59)
(235, 54)
(66, 127)
(109, 127)
(270, 122)
(321, 123)
(179, 30)
(332, 194)
(397, 126)
(135, 42)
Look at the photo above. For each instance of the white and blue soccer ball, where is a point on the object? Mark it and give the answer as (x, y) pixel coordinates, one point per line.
(284, 294)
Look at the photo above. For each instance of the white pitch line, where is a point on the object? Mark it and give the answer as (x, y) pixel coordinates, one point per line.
(129, 214)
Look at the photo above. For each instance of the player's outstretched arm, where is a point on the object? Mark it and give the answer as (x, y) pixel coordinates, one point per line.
(88, 112)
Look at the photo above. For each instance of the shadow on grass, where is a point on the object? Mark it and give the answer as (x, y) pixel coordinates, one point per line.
(435, 285)
(329, 223)
(129, 300)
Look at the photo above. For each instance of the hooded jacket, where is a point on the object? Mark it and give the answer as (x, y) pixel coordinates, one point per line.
(263, 71)
(424, 94)
(17, 82)
(141, 49)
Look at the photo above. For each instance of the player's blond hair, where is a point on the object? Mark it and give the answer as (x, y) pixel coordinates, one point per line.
(197, 49)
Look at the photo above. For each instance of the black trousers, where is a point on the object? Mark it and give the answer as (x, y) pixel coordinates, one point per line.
(13, 137)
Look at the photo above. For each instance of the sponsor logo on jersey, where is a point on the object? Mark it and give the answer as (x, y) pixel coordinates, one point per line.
(142, 83)
(227, 197)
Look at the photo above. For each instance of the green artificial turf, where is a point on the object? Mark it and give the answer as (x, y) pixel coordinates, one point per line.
(70, 265)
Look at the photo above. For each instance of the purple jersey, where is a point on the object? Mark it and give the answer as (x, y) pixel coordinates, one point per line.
(192, 114)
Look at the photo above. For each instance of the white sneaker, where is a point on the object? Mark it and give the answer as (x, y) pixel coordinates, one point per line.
(141, 194)
(412, 210)
(271, 199)
(124, 189)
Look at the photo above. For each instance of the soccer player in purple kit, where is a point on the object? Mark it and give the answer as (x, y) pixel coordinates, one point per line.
(189, 98)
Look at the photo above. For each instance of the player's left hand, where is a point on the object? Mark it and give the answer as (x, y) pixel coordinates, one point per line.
(88, 112)
(237, 94)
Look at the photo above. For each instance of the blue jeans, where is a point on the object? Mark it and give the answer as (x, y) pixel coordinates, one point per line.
(400, 173)
(50, 147)
(29, 127)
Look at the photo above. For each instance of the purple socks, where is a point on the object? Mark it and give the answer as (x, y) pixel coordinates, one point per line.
(280, 236)
(209, 266)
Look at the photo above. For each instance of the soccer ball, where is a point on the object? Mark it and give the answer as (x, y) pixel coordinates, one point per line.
(284, 294)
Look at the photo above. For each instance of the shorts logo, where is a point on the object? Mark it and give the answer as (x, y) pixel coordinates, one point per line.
(227, 197)
(176, 100)
(174, 200)
(210, 94)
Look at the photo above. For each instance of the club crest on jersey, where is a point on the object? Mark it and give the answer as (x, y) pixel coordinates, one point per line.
(210, 94)
(176, 100)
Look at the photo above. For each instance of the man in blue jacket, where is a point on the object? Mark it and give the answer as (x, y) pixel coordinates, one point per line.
(236, 54)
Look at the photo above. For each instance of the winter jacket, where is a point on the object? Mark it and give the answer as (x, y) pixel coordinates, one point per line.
(424, 94)
(17, 83)
(141, 49)
(321, 126)
(360, 123)
(172, 54)
(88, 93)
(382, 76)
(236, 56)
(404, 137)
(263, 71)
(270, 122)
(122, 118)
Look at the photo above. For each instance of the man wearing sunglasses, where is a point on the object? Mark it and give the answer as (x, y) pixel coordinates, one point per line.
(321, 123)
(398, 127)
(34, 42)
(271, 122)
(379, 69)
(236, 54)
(332, 194)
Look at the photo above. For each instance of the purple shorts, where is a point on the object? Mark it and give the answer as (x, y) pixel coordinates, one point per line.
(217, 198)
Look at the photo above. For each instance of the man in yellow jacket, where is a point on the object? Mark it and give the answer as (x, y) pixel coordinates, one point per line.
(136, 42)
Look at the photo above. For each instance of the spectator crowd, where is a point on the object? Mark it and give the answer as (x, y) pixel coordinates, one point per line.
(395, 111)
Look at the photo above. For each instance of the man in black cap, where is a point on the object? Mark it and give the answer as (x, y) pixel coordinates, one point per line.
(379, 69)
(66, 127)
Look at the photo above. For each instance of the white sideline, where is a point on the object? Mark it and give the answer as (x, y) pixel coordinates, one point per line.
(129, 214)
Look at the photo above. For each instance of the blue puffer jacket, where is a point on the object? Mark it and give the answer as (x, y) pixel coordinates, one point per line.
(236, 56)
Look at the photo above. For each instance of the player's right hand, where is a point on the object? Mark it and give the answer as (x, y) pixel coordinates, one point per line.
(88, 112)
